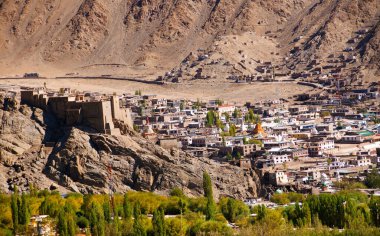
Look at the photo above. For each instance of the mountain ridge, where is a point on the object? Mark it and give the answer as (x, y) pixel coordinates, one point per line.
(152, 36)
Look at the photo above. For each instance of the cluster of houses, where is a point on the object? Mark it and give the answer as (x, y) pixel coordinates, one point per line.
(315, 140)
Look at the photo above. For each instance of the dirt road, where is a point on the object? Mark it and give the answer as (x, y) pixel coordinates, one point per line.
(206, 90)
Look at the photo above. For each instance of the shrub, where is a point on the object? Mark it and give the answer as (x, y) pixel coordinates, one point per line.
(373, 180)
(280, 198)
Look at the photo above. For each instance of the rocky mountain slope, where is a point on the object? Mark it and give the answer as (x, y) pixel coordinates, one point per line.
(328, 27)
(74, 160)
(143, 37)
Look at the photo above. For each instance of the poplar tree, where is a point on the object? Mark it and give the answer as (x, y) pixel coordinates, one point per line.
(207, 188)
(261, 212)
(207, 185)
(159, 222)
(232, 130)
(62, 224)
(210, 118)
(231, 210)
(24, 213)
(306, 214)
(237, 113)
(71, 224)
(107, 211)
(66, 224)
(227, 116)
(374, 206)
(138, 228)
(115, 227)
(97, 222)
(14, 208)
(127, 208)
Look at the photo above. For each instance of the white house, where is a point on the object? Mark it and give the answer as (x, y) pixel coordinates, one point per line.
(279, 159)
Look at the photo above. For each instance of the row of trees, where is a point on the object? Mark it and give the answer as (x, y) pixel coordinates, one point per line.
(128, 214)
(20, 211)
(346, 209)
(213, 119)
(123, 214)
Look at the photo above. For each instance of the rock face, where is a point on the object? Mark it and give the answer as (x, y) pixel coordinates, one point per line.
(22, 154)
(95, 163)
(18, 135)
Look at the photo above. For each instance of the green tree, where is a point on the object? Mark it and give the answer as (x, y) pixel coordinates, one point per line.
(255, 141)
(62, 227)
(261, 212)
(66, 224)
(127, 208)
(245, 140)
(176, 192)
(233, 209)
(14, 209)
(210, 119)
(207, 185)
(232, 130)
(246, 118)
(115, 227)
(182, 105)
(237, 113)
(251, 115)
(97, 222)
(107, 211)
(208, 193)
(374, 206)
(210, 209)
(218, 123)
(82, 222)
(33, 190)
(373, 179)
(219, 102)
(197, 104)
(227, 116)
(138, 228)
(159, 222)
(24, 211)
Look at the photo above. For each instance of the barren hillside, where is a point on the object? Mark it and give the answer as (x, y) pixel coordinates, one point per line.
(334, 27)
(144, 37)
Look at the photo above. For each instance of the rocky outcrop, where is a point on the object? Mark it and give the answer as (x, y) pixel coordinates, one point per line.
(22, 155)
(18, 134)
(97, 162)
